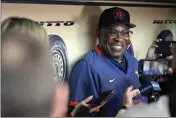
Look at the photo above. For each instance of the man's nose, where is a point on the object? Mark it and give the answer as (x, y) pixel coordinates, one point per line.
(118, 38)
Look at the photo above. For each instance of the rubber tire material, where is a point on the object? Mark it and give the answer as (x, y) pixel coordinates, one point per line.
(58, 46)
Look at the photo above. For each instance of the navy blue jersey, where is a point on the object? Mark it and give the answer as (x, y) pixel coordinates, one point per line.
(96, 73)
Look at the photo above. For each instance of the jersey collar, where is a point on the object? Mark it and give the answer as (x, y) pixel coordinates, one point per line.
(98, 50)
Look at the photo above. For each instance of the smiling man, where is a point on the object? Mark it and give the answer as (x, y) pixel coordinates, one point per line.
(108, 67)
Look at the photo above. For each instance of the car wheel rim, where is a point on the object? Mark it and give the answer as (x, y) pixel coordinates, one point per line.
(58, 65)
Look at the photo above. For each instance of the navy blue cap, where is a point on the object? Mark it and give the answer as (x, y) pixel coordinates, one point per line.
(113, 16)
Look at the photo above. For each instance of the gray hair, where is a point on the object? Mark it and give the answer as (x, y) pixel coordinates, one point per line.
(24, 26)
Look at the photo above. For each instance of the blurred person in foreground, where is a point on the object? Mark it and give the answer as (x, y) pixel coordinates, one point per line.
(165, 106)
(27, 84)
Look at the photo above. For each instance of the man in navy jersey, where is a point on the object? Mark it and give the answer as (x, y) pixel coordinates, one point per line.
(109, 66)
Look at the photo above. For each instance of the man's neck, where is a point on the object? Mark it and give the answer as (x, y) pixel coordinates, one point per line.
(119, 59)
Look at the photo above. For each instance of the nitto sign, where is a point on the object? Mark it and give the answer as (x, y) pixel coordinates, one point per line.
(56, 23)
(164, 22)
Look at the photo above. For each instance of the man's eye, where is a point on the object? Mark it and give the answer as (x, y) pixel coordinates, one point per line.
(112, 33)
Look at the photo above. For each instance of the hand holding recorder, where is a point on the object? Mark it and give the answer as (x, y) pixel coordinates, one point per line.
(84, 108)
(128, 96)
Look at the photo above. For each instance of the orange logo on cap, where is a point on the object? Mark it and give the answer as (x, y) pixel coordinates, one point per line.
(119, 14)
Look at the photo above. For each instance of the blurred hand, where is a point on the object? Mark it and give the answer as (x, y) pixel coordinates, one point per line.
(151, 54)
(60, 101)
(81, 106)
(129, 94)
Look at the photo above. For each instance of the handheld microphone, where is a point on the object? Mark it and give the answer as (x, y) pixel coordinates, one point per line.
(149, 88)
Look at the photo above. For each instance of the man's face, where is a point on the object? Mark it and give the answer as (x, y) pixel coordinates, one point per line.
(113, 40)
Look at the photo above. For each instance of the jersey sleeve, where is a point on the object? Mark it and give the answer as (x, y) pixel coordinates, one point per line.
(83, 83)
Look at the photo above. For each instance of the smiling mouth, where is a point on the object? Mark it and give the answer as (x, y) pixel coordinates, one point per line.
(117, 47)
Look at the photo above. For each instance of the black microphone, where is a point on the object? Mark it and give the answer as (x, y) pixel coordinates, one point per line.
(149, 88)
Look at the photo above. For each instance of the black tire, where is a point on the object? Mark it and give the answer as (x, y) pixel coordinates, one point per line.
(59, 58)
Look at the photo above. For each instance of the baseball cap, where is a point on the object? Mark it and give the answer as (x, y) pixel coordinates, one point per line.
(114, 16)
